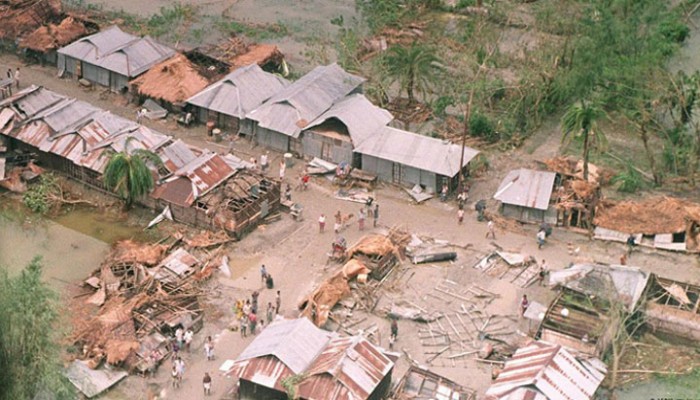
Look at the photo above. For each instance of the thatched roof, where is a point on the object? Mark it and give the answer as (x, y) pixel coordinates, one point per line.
(50, 37)
(260, 54)
(652, 216)
(18, 17)
(173, 80)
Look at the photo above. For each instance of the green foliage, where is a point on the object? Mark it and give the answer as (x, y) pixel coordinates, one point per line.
(39, 197)
(230, 27)
(381, 14)
(414, 67)
(629, 181)
(441, 104)
(481, 126)
(347, 47)
(580, 121)
(170, 19)
(290, 384)
(29, 356)
(127, 173)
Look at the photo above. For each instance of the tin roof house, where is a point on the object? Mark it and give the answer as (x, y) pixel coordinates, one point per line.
(227, 101)
(111, 58)
(332, 367)
(279, 122)
(525, 195)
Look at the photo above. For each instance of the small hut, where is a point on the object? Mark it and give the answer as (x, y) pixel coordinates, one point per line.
(171, 82)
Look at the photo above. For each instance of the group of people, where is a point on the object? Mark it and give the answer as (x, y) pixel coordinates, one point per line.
(182, 340)
(246, 312)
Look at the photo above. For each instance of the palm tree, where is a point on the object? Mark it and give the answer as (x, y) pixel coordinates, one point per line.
(413, 67)
(580, 121)
(127, 173)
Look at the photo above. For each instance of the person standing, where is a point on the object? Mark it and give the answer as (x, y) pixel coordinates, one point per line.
(174, 376)
(179, 337)
(180, 366)
(541, 236)
(321, 223)
(17, 78)
(443, 192)
(254, 296)
(244, 325)
(9, 73)
(246, 307)
(283, 169)
(206, 381)
(288, 192)
(338, 222)
(460, 216)
(263, 161)
(209, 349)
(375, 215)
(270, 312)
(543, 272)
(491, 229)
(189, 335)
(524, 304)
(630, 244)
(361, 219)
(278, 302)
(252, 323)
(263, 273)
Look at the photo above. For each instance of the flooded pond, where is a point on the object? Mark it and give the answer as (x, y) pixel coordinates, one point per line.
(71, 245)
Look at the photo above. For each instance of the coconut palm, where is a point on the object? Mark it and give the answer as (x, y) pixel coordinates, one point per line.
(128, 175)
(414, 67)
(580, 121)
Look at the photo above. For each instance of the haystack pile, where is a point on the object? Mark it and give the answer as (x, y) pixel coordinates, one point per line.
(50, 37)
(651, 216)
(174, 81)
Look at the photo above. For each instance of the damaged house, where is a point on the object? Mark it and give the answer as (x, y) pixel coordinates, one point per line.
(407, 159)
(334, 135)
(279, 122)
(42, 43)
(20, 17)
(420, 383)
(111, 58)
(673, 308)
(662, 223)
(227, 101)
(330, 367)
(171, 82)
(545, 371)
(583, 317)
(526, 195)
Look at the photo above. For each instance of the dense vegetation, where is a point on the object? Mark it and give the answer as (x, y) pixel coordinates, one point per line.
(29, 351)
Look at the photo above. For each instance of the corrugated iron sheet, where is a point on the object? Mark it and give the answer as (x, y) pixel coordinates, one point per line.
(359, 115)
(419, 383)
(239, 92)
(295, 107)
(118, 51)
(414, 150)
(527, 188)
(176, 155)
(549, 369)
(295, 343)
(267, 371)
(348, 368)
(206, 172)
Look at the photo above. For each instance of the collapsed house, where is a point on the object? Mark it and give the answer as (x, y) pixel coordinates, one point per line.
(42, 43)
(19, 17)
(266, 56)
(526, 195)
(137, 298)
(545, 371)
(201, 188)
(587, 313)
(325, 365)
(575, 198)
(227, 101)
(420, 383)
(170, 82)
(662, 223)
(673, 308)
(111, 58)
(373, 256)
(278, 123)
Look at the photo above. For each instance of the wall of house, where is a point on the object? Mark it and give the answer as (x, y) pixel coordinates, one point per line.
(383, 388)
(526, 214)
(400, 174)
(274, 140)
(673, 321)
(224, 122)
(251, 391)
(326, 148)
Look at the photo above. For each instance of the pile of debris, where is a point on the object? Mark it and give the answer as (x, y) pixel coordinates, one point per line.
(137, 298)
(19, 17)
(50, 37)
(519, 269)
(575, 197)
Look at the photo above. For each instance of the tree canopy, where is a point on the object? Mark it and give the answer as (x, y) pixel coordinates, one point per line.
(414, 67)
(127, 174)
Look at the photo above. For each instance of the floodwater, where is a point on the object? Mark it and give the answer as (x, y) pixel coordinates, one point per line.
(71, 246)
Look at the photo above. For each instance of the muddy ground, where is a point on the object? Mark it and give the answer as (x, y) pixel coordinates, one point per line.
(295, 254)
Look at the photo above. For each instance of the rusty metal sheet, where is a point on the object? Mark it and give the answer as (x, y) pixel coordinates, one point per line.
(526, 188)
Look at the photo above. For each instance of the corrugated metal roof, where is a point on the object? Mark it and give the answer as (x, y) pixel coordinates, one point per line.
(118, 51)
(420, 383)
(348, 368)
(549, 369)
(360, 116)
(295, 343)
(239, 92)
(414, 150)
(176, 155)
(194, 180)
(526, 188)
(267, 371)
(303, 101)
(178, 262)
(599, 280)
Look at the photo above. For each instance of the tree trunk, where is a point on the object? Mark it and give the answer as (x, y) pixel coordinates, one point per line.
(409, 89)
(586, 150)
(650, 155)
